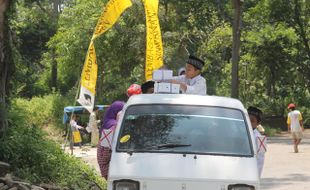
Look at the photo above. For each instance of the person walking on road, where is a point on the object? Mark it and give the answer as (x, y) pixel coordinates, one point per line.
(295, 125)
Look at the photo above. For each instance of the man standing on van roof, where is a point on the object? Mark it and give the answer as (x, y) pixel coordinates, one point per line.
(295, 125)
(192, 82)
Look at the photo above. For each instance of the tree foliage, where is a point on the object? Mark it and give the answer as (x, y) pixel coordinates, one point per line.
(274, 63)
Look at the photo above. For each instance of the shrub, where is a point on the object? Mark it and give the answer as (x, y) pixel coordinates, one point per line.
(31, 153)
(270, 132)
(40, 111)
(39, 160)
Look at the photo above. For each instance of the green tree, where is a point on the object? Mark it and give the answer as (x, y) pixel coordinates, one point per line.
(34, 24)
(5, 56)
(274, 55)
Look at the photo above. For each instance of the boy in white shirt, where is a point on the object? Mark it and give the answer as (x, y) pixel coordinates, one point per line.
(256, 115)
(192, 82)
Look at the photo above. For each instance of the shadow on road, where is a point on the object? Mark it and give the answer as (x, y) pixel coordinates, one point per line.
(268, 183)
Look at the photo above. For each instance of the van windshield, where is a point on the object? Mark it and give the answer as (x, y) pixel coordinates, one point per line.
(184, 129)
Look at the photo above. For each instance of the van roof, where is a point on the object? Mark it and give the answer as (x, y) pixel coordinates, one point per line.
(185, 99)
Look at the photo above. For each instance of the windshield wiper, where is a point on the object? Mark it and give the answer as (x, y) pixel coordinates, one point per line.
(158, 147)
(171, 145)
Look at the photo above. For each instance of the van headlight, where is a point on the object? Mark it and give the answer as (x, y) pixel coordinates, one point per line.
(125, 185)
(240, 187)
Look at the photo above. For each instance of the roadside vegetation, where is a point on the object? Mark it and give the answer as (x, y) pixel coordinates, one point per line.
(32, 146)
(270, 132)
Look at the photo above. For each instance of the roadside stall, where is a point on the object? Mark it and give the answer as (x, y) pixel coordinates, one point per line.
(74, 136)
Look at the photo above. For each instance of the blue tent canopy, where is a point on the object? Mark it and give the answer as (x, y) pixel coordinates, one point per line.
(78, 110)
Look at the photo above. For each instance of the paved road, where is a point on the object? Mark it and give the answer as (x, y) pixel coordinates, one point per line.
(283, 169)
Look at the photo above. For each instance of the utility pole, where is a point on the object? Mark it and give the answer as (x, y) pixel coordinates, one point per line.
(236, 47)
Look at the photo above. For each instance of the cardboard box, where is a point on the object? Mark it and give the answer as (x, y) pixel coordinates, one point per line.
(168, 88)
(162, 75)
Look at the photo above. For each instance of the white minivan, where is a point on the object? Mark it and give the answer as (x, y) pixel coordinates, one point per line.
(183, 142)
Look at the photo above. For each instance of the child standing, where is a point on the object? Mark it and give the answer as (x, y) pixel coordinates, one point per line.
(256, 115)
(192, 82)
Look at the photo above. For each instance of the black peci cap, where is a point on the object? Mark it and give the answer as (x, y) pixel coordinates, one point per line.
(145, 86)
(196, 62)
(256, 112)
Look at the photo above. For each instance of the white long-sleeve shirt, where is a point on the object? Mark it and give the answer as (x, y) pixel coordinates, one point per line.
(196, 85)
(74, 125)
(261, 149)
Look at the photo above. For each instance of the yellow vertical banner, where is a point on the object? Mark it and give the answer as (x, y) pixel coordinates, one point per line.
(110, 15)
(89, 74)
(89, 79)
(154, 48)
(108, 18)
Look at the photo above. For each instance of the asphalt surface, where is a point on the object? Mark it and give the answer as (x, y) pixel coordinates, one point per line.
(283, 169)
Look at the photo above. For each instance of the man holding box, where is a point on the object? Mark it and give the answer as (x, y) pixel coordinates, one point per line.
(192, 82)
